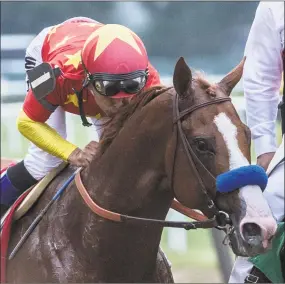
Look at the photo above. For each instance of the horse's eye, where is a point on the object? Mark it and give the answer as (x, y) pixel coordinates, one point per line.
(202, 145)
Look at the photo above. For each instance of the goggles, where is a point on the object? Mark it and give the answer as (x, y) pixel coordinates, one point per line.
(110, 85)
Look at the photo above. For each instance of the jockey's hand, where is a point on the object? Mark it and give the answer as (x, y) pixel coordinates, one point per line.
(82, 158)
(265, 159)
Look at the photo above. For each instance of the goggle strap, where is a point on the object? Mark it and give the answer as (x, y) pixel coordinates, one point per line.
(89, 75)
(80, 105)
(117, 77)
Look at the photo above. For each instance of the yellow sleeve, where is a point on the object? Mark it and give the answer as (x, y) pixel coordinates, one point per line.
(45, 137)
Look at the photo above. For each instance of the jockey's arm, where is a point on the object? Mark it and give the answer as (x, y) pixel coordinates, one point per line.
(31, 124)
(262, 79)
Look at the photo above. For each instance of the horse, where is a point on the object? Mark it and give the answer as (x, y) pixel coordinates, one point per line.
(169, 142)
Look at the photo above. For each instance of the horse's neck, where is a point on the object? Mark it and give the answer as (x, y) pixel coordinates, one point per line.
(134, 163)
(129, 252)
(130, 179)
(79, 246)
(121, 252)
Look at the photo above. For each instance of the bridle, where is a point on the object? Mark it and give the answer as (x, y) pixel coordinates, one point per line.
(219, 219)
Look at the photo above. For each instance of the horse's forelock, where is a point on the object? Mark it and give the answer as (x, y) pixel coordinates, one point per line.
(204, 84)
(201, 81)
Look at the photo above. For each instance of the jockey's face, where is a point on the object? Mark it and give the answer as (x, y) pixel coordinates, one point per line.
(108, 104)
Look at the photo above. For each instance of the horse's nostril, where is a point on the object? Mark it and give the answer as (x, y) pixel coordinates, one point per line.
(270, 238)
(251, 229)
(252, 233)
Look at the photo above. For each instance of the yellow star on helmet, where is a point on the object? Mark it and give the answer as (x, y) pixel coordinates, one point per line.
(52, 31)
(65, 39)
(108, 33)
(74, 59)
(72, 98)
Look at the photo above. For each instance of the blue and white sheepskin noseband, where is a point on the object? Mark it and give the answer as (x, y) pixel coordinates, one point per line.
(237, 178)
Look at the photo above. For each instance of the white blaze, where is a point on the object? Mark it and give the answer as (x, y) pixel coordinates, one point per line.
(257, 209)
(229, 133)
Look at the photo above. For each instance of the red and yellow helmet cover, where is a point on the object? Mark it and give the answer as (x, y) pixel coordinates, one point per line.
(63, 45)
(114, 49)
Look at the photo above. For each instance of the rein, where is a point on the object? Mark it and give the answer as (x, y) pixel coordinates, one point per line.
(219, 219)
(113, 216)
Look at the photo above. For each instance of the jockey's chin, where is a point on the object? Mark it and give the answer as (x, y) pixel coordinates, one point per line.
(109, 105)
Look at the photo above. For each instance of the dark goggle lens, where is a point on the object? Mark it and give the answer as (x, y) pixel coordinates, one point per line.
(133, 86)
(111, 88)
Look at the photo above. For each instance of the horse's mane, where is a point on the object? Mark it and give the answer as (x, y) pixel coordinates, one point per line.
(112, 127)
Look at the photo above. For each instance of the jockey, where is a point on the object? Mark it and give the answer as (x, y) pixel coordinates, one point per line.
(262, 79)
(96, 69)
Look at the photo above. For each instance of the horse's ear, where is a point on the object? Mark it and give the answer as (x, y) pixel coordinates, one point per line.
(232, 78)
(182, 77)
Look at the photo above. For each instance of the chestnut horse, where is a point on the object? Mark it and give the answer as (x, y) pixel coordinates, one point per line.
(167, 143)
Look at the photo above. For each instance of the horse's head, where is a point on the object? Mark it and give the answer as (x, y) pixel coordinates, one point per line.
(217, 142)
